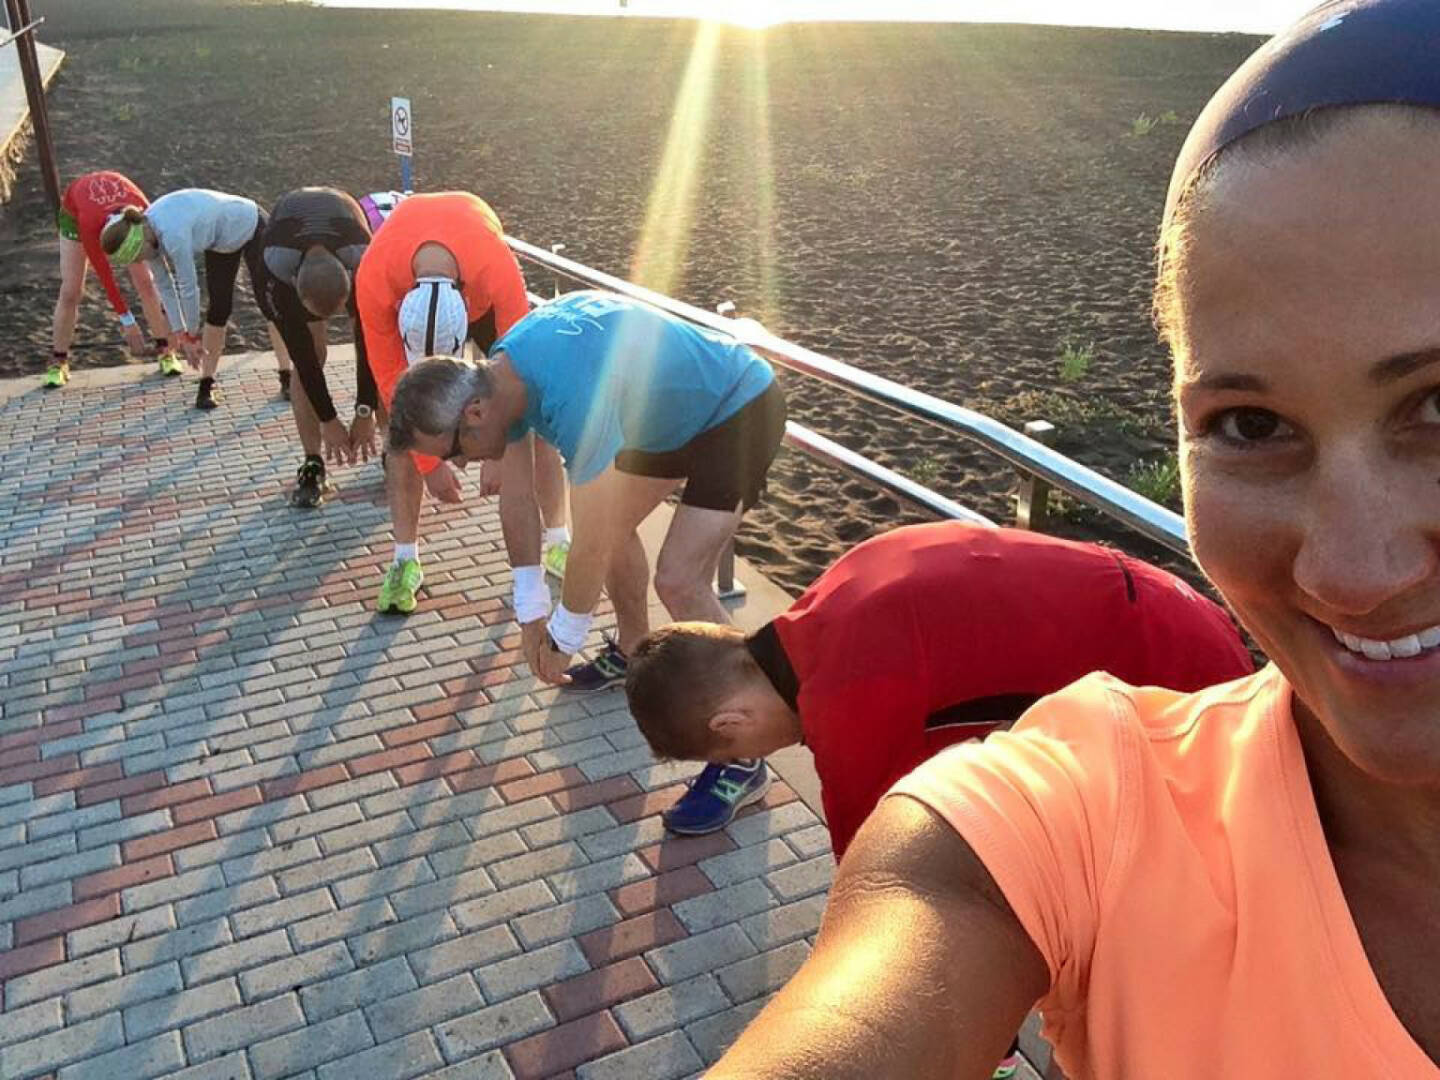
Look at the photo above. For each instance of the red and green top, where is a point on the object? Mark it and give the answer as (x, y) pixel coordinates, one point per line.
(90, 199)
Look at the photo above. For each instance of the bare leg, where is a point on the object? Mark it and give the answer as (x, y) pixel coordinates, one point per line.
(629, 501)
(149, 299)
(550, 488)
(306, 422)
(628, 584)
(73, 267)
(405, 488)
(685, 570)
(282, 354)
(213, 342)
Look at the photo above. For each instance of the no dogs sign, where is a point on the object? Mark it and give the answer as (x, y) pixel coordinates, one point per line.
(401, 126)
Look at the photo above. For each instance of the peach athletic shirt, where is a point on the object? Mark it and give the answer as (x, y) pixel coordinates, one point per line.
(1165, 854)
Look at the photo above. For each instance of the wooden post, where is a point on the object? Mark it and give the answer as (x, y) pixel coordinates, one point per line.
(1031, 505)
(18, 12)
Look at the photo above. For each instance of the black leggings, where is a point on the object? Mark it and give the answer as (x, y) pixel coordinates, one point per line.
(222, 268)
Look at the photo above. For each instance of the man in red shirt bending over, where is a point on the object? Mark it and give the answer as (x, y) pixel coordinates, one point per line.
(916, 639)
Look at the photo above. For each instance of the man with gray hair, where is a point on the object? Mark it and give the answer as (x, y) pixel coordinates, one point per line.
(637, 402)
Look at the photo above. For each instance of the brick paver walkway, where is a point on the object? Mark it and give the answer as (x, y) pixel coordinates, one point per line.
(248, 829)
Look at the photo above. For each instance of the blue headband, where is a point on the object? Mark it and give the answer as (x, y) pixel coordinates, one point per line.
(1345, 52)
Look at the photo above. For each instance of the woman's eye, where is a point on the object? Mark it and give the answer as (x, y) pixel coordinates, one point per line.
(1251, 426)
(1429, 411)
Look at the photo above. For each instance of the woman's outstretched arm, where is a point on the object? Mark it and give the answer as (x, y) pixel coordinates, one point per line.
(921, 970)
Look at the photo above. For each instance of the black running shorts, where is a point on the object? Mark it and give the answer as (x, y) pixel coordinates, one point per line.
(724, 466)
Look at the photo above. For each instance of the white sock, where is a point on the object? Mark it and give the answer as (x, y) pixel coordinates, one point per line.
(406, 551)
(560, 534)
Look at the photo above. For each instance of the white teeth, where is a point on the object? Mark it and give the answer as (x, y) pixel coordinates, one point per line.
(1375, 650)
(1405, 647)
(1398, 648)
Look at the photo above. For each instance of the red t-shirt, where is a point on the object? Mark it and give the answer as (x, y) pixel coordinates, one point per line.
(90, 199)
(932, 634)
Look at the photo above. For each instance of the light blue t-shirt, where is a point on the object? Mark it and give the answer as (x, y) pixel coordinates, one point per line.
(603, 373)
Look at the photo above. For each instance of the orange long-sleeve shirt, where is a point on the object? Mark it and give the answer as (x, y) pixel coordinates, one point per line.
(490, 278)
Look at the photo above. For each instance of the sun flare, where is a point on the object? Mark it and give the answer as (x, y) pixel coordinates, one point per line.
(752, 14)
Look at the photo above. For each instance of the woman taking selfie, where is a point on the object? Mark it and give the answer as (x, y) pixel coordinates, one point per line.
(1244, 881)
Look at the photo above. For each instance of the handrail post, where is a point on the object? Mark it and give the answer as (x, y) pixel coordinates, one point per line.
(555, 249)
(726, 587)
(1032, 503)
(18, 12)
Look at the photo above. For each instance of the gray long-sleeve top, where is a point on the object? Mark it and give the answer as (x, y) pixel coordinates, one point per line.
(188, 223)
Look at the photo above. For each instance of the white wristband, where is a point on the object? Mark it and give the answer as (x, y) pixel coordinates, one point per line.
(568, 630)
(126, 319)
(530, 595)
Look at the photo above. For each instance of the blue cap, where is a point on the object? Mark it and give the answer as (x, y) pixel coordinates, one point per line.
(1345, 52)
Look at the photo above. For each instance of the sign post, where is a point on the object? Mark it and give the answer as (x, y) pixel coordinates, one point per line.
(402, 135)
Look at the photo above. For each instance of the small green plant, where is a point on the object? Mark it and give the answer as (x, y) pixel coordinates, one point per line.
(1142, 125)
(202, 52)
(1075, 359)
(925, 470)
(125, 112)
(1169, 119)
(1157, 480)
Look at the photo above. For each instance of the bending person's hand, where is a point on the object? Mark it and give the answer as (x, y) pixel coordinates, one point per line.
(135, 341)
(552, 664)
(490, 472)
(362, 438)
(336, 438)
(444, 483)
(534, 640)
(194, 351)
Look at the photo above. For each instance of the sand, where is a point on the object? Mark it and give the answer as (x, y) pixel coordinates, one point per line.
(945, 205)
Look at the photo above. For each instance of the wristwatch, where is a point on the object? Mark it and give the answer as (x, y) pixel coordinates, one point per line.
(363, 411)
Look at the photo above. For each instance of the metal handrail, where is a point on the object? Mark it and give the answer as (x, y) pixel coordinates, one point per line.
(1031, 457)
(28, 28)
(819, 447)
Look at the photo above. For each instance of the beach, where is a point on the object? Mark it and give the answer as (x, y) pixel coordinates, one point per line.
(951, 206)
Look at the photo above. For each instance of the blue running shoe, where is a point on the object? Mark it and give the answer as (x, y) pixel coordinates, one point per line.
(715, 796)
(606, 670)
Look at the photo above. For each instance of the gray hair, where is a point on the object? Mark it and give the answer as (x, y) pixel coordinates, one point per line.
(431, 397)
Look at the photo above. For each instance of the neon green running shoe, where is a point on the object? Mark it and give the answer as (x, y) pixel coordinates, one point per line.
(553, 559)
(397, 591)
(56, 376)
(170, 364)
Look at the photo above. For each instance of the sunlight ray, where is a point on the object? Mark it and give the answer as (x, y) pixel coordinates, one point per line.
(665, 236)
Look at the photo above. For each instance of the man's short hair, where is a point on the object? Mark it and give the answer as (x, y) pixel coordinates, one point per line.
(431, 397)
(323, 283)
(677, 679)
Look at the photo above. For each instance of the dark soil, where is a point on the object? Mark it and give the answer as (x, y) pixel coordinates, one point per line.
(942, 204)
